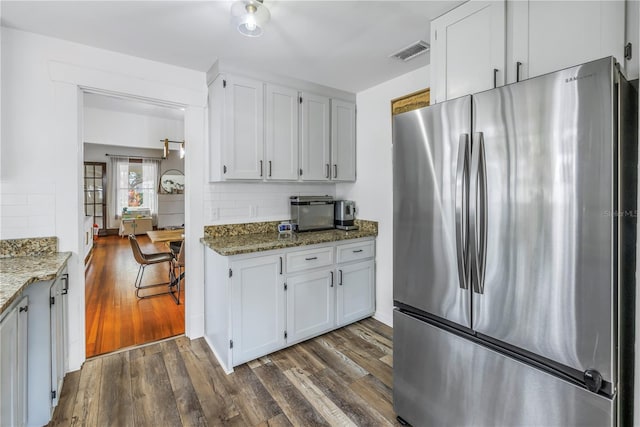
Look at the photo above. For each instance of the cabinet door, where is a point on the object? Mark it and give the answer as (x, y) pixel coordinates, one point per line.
(215, 105)
(258, 311)
(356, 291)
(549, 36)
(468, 49)
(343, 141)
(242, 145)
(13, 365)
(310, 304)
(58, 324)
(281, 138)
(315, 138)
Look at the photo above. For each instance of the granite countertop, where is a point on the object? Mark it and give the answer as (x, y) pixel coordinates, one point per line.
(260, 242)
(17, 272)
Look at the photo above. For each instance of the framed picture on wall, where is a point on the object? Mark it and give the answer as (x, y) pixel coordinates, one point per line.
(172, 182)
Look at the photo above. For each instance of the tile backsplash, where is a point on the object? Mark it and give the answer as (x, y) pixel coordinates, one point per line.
(240, 202)
(27, 210)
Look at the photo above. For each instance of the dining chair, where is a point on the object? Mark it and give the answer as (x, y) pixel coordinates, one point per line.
(146, 259)
(178, 262)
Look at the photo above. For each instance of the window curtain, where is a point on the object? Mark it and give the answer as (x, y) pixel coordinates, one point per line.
(117, 167)
(151, 181)
(132, 184)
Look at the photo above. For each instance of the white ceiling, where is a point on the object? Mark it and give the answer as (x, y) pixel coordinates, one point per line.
(342, 44)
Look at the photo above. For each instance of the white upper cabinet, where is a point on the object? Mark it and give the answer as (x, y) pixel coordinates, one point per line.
(482, 44)
(281, 133)
(315, 143)
(343, 140)
(468, 49)
(236, 128)
(270, 132)
(244, 121)
(545, 36)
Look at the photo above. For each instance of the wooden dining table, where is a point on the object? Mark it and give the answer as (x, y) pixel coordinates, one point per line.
(176, 235)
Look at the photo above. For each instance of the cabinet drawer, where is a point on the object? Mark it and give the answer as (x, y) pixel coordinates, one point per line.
(355, 251)
(312, 258)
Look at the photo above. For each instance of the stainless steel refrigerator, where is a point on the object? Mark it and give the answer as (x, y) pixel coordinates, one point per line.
(515, 254)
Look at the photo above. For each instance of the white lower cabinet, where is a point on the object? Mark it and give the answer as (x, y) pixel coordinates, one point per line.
(58, 326)
(310, 304)
(33, 356)
(47, 344)
(13, 364)
(355, 291)
(256, 304)
(258, 313)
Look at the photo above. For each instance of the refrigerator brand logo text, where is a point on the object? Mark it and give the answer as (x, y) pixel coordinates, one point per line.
(576, 78)
(631, 213)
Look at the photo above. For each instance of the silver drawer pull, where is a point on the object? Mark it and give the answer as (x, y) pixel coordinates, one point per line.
(312, 258)
(359, 250)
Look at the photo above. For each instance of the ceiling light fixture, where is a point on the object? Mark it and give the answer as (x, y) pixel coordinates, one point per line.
(249, 17)
(165, 151)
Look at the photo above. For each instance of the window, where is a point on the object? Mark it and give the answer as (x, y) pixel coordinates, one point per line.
(136, 185)
(95, 200)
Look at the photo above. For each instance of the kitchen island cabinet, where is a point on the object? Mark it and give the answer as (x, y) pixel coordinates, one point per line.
(260, 300)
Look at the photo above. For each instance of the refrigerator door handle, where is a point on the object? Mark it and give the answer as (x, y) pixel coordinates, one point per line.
(478, 213)
(461, 209)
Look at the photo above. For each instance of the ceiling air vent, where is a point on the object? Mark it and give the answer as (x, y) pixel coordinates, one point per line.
(411, 51)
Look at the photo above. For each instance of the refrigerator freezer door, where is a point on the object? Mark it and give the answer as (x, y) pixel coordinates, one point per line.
(442, 379)
(549, 256)
(428, 163)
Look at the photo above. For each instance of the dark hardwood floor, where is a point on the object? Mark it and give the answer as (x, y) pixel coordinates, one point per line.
(114, 317)
(340, 378)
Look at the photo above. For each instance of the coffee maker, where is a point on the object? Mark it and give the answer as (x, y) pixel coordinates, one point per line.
(345, 214)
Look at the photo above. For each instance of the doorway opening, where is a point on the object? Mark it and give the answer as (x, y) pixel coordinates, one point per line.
(125, 160)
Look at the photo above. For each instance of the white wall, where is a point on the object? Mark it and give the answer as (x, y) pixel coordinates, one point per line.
(27, 170)
(128, 129)
(42, 154)
(373, 190)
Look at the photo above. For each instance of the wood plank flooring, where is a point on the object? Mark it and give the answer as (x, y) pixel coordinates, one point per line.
(115, 318)
(342, 378)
